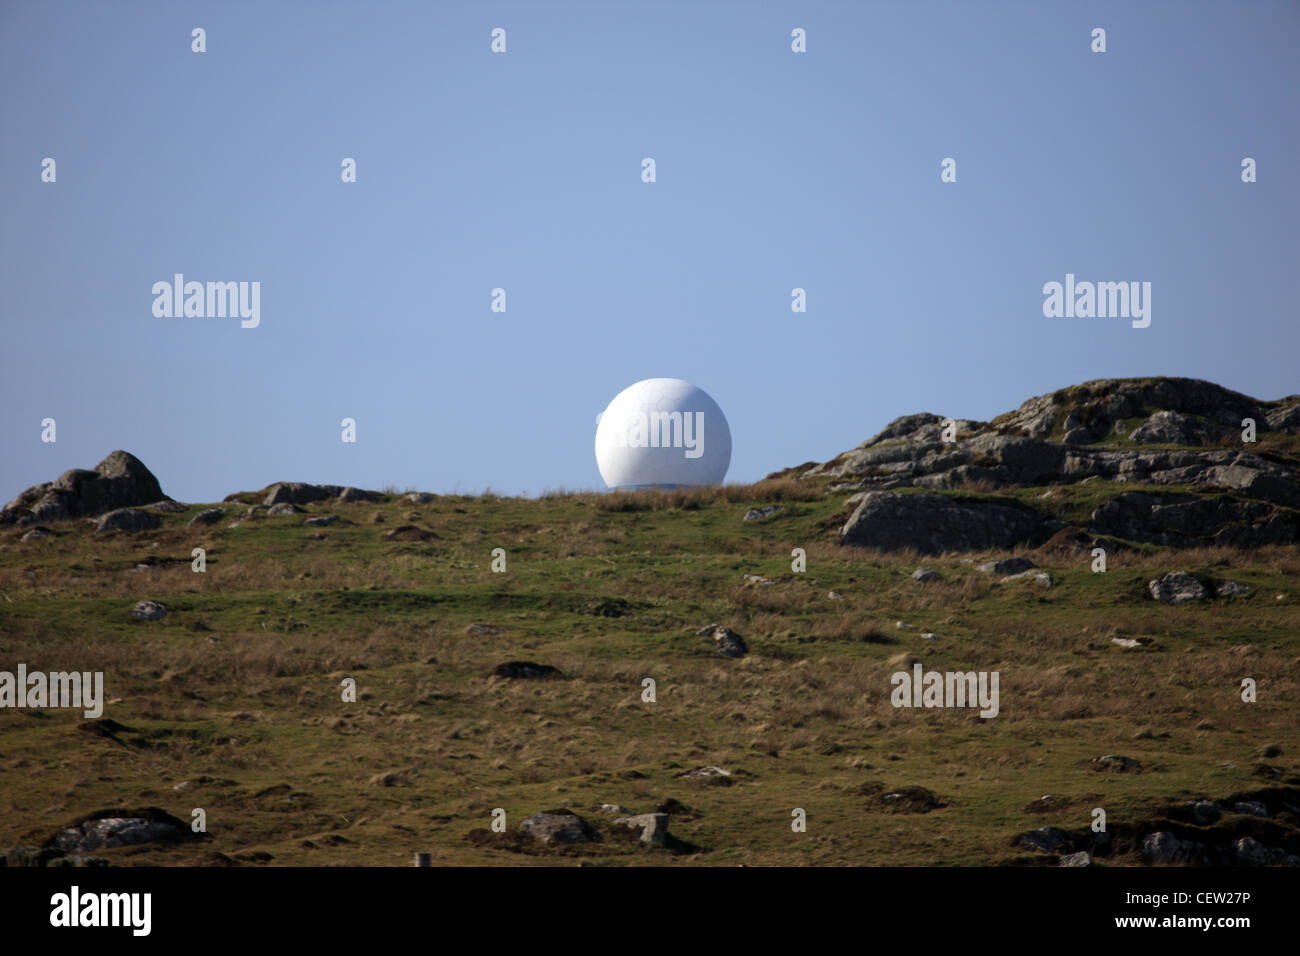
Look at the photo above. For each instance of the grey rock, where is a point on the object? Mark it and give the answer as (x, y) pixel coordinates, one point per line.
(119, 828)
(1227, 589)
(169, 507)
(727, 642)
(653, 827)
(127, 519)
(1247, 851)
(1205, 812)
(322, 520)
(1251, 808)
(705, 773)
(420, 498)
(1082, 858)
(926, 574)
(757, 579)
(206, 517)
(148, 611)
(1038, 577)
(1047, 839)
(932, 524)
(36, 534)
(351, 495)
(557, 828)
(1170, 428)
(283, 508)
(759, 514)
(1177, 587)
(119, 481)
(1006, 566)
(1165, 847)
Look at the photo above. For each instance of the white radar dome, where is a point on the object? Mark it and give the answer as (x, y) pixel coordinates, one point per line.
(662, 432)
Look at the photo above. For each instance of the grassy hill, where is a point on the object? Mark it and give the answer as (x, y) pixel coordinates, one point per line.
(237, 690)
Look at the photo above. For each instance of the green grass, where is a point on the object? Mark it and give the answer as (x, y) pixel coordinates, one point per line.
(237, 690)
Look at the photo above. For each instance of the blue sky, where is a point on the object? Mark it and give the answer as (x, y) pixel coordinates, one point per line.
(522, 170)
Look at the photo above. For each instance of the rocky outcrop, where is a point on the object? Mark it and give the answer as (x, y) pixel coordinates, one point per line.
(933, 524)
(557, 828)
(119, 481)
(1185, 434)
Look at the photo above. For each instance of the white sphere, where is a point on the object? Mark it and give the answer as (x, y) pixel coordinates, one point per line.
(662, 432)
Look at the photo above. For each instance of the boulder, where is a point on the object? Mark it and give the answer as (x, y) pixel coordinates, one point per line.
(283, 508)
(726, 641)
(1170, 428)
(148, 611)
(36, 534)
(1038, 577)
(557, 828)
(1162, 847)
(206, 517)
(652, 827)
(759, 514)
(322, 520)
(926, 574)
(1247, 851)
(1006, 566)
(1227, 589)
(113, 828)
(351, 495)
(1076, 859)
(1046, 839)
(1177, 587)
(119, 481)
(127, 519)
(933, 524)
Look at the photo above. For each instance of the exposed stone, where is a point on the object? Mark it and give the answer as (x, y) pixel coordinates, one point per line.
(37, 533)
(350, 495)
(283, 508)
(653, 827)
(1082, 858)
(409, 532)
(206, 517)
(1038, 577)
(926, 574)
(1006, 566)
(1251, 808)
(113, 828)
(127, 519)
(1047, 839)
(119, 481)
(726, 641)
(1165, 847)
(169, 507)
(706, 773)
(322, 520)
(757, 579)
(420, 498)
(1247, 851)
(557, 828)
(933, 524)
(148, 611)
(1177, 587)
(759, 514)
(1227, 589)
